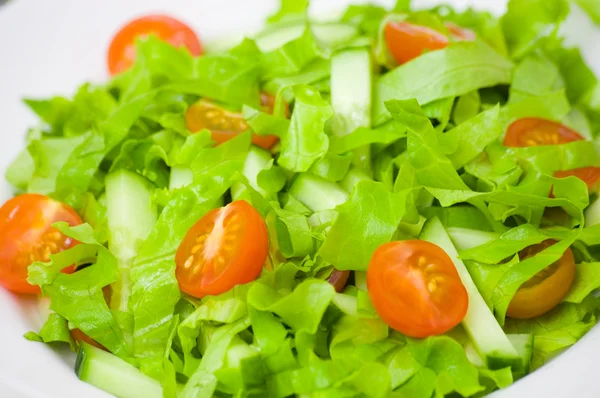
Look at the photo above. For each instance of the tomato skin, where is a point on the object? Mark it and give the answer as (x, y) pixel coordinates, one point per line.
(26, 235)
(415, 288)
(121, 53)
(339, 279)
(533, 131)
(546, 289)
(459, 33)
(225, 248)
(589, 175)
(528, 132)
(225, 125)
(407, 41)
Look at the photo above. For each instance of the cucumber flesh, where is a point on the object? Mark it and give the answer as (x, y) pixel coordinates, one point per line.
(487, 336)
(523, 344)
(328, 34)
(131, 215)
(353, 177)
(592, 214)
(180, 177)
(317, 193)
(352, 102)
(464, 238)
(113, 375)
(256, 160)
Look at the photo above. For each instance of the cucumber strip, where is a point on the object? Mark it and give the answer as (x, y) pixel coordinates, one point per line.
(317, 193)
(592, 214)
(464, 238)
(131, 215)
(351, 97)
(256, 160)
(328, 34)
(180, 177)
(523, 343)
(113, 375)
(353, 177)
(488, 337)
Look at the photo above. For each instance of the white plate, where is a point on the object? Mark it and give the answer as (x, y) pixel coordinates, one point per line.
(50, 47)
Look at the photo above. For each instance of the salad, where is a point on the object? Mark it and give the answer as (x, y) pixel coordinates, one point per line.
(394, 203)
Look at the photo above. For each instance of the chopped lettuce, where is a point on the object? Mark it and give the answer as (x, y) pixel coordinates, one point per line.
(341, 181)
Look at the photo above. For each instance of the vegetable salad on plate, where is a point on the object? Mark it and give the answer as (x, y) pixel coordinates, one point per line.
(395, 203)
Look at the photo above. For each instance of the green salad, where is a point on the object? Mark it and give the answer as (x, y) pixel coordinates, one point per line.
(395, 203)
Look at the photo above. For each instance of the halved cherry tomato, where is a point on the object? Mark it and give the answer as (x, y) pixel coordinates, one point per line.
(338, 279)
(121, 53)
(225, 125)
(27, 235)
(458, 33)
(546, 289)
(534, 131)
(227, 247)
(406, 41)
(528, 132)
(415, 288)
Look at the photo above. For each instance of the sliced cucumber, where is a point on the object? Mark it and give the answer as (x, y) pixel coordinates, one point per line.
(329, 35)
(317, 193)
(464, 238)
(489, 339)
(353, 177)
(180, 177)
(113, 375)
(131, 214)
(256, 160)
(592, 214)
(352, 102)
(523, 344)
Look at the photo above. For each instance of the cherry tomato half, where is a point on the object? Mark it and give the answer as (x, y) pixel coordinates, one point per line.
(225, 125)
(338, 279)
(546, 289)
(534, 131)
(227, 247)
(27, 235)
(406, 41)
(415, 288)
(121, 53)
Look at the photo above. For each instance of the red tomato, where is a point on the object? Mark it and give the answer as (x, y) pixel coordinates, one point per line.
(546, 289)
(534, 131)
(26, 235)
(121, 53)
(338, 279)
(460, 34)
(227, 247)
(225, 125)
(415, 288)
(406, 41)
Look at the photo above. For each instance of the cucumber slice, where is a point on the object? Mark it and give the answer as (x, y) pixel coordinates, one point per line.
(256, 160)
(464, 238)
(113, 375)
(592, 214)
(352, 102)
(329, 35)
(353, 177)
(131, 214)
(317, 193)
(489, 339)
(180, 177)
(523, 343)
